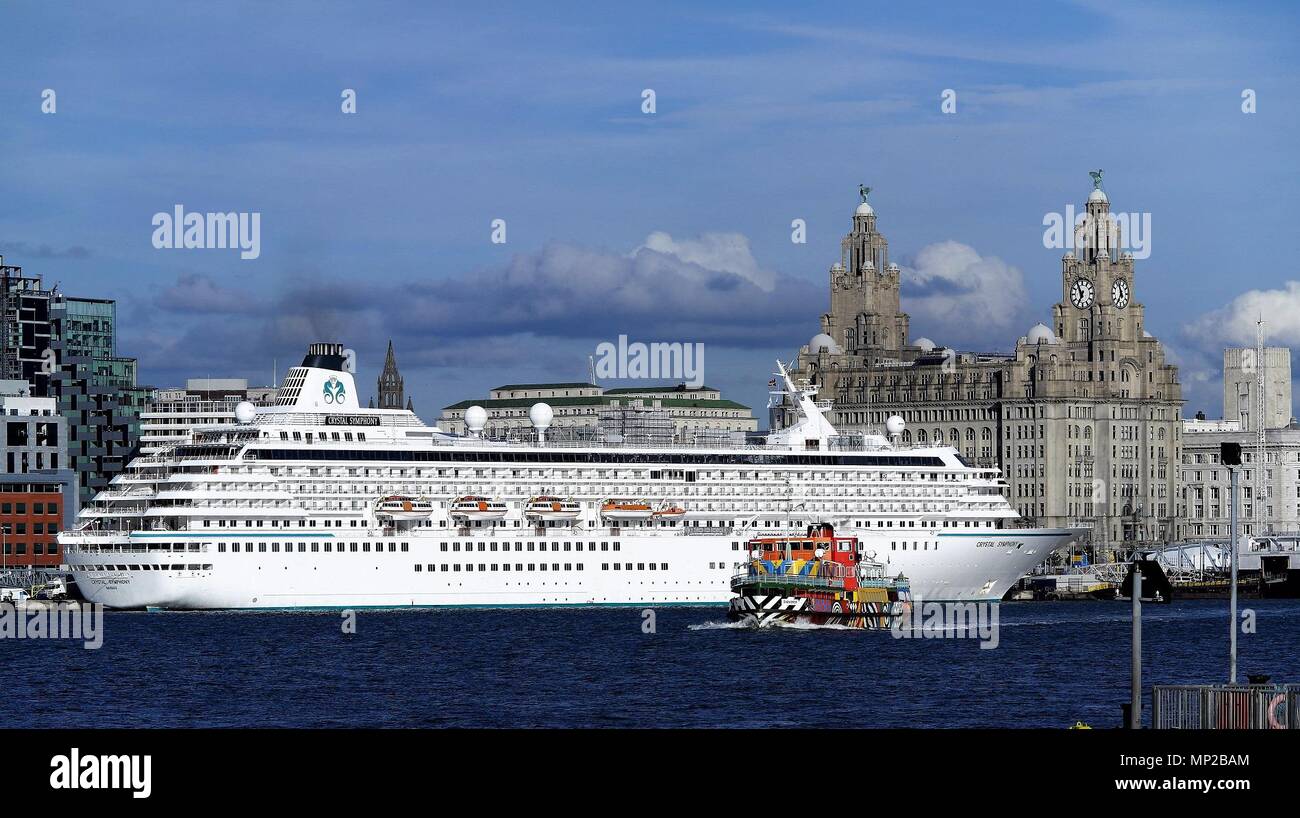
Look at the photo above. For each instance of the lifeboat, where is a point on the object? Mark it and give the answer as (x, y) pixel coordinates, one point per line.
(625, 510)
(546, 507)
(471, 507)
(401, 507)
(670, 512)
(816, 579)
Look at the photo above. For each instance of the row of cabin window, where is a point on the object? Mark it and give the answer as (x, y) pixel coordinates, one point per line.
(555, 566)
(361, 436)
(144, 567)
(315, 547)
(519, 546)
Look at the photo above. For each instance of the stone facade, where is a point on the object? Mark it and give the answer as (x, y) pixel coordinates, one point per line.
(1240, 382)
(1269, 497)
(1082, 418)
(689, 411)
(1269, 487)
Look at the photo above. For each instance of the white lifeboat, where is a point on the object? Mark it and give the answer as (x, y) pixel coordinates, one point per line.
(546, 507)
(472, 507)
(402, 507)
(626, 510)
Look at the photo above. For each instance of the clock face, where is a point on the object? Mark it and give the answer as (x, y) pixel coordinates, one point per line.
(1081, 293)
(1119, 293)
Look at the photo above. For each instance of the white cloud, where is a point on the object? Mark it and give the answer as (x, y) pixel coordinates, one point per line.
(1234, 323)
(723, 252)
(958, 296)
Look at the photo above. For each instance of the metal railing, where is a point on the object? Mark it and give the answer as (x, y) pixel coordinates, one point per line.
(761, 580)
(1225, 707)
(752, 576)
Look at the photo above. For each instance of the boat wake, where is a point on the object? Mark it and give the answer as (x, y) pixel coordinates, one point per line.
(789, 626)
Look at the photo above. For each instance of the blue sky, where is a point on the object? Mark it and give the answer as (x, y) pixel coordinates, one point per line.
(673, 226)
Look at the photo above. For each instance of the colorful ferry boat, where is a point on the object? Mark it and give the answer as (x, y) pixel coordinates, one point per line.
(815, 579)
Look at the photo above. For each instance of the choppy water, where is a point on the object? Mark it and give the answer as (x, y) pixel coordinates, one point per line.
(1056, 663)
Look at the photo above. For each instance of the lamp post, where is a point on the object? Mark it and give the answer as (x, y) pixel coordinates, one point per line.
(1135, 666)
(1232, 590)
(1230, 454)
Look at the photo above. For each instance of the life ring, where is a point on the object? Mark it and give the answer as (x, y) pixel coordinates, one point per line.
(1272, 711)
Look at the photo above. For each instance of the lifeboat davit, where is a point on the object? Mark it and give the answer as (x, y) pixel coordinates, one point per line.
(626, 510)
(472, 507)
(552, 508)
(401, 507)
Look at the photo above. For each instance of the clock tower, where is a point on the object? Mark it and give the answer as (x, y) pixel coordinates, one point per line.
(865, 318)
(1097, 304)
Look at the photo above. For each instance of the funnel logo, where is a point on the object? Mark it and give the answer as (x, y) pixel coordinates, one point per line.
(334, 391)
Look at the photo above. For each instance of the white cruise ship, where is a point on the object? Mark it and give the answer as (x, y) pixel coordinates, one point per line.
(315, 502)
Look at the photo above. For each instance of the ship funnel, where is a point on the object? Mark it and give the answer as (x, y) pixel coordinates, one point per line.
(323, 382)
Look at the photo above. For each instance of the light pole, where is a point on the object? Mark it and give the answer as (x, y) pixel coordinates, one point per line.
(1135, 668)
(1232, 591)
(1230, 454)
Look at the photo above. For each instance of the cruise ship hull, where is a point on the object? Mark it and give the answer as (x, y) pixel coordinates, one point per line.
(688, 570)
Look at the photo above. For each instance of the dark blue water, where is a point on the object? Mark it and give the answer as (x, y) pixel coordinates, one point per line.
(1056, 663)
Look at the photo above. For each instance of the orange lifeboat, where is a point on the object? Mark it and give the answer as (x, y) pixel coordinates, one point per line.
(626, 510)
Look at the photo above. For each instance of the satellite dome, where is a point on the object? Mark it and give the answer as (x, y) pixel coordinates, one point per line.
(1041, 334)
(926, 344)
(864, 209)
(245, 412)
(822, 341)
(1098, 195)
(476, 418)
(895, 425)
(541, 415)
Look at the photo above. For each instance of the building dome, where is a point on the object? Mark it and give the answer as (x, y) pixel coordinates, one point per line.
(864, 209)
(1098, 195)
(822, 341)
(1041, 334)
(926, 344)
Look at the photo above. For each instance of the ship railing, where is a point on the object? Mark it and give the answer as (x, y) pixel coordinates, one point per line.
(761, 578)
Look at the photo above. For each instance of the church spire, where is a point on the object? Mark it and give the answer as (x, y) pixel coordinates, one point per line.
(391, 386)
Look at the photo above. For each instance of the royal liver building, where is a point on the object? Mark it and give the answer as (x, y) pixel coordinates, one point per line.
(1083, 418)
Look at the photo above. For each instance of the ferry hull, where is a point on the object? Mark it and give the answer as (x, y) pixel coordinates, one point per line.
(688, 570)
(776, 610)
